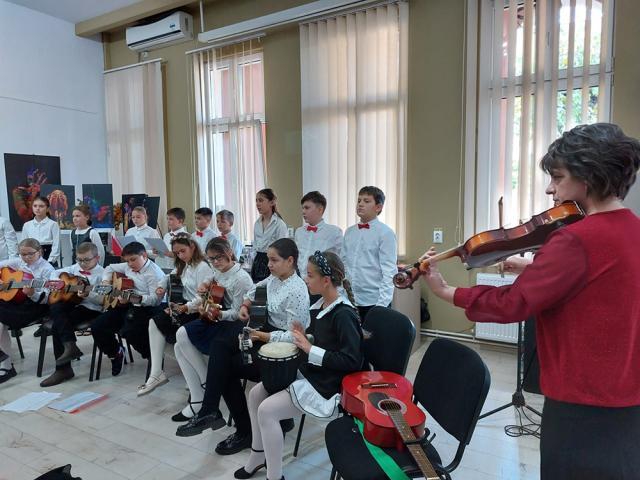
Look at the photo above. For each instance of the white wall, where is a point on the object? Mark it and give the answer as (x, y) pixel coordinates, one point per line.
(51, 96)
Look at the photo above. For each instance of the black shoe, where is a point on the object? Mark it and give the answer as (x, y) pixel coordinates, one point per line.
(198, 424)
(58, 377)
(234, 443)
(38, 332)
(3, 356)
(180, 417)
(7, 373)
(242, 473)
(287, 425)
(117, 362)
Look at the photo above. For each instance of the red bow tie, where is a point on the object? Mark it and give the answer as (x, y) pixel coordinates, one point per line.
(85, 272)
(223, 236)
(199, 234)
(363, 225)
(311, 229)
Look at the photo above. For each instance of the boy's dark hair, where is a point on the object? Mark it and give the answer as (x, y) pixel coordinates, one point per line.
(178, 213)
(204, 211)
(133, 248)
(315, 197)
(226, 215)
(375, 192)
(599, 154)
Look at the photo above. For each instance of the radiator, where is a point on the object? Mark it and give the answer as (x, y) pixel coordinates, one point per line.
(496, 331)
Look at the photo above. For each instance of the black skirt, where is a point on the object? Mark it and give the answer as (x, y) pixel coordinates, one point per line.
(260, 267)
(580, 442)
(168, 327)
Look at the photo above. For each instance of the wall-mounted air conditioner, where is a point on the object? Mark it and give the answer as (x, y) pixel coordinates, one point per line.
(176, 28)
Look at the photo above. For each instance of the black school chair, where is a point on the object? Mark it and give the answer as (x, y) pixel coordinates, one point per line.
(17, 333)
(388, 349)
(451, 385)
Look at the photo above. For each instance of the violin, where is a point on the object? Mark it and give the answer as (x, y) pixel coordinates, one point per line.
(492, 246)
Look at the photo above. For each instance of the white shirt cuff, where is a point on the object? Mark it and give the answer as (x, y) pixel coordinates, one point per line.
(316, 354)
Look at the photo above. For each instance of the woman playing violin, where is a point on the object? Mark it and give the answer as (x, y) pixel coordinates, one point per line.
(583, 287)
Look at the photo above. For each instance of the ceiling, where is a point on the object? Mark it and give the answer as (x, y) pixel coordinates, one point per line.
(74, 11)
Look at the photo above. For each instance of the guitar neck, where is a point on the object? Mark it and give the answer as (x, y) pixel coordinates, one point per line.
(416, 451)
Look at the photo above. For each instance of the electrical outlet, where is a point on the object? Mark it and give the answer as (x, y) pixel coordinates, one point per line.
(438, 236)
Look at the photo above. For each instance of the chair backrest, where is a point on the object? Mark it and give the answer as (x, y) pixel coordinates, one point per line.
(392, 335)
(452, 384)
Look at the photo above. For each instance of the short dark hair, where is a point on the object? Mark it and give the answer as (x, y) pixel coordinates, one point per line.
(204, 211)
(600, 154)
(315, 197)
(375, 192)
(226, 215)
(177, 212)
(133, 248)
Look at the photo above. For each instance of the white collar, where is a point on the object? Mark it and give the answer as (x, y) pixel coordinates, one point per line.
(331, 306)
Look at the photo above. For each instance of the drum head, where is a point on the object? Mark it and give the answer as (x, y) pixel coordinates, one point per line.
(278, 350)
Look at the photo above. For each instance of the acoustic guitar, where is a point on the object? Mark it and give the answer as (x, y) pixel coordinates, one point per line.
(383, 402)
(122, 287)
(212, 303)
(13, 281)
(73, 285)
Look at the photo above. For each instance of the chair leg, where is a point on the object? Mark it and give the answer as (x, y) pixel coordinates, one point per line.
(334, 473)
(295, 449)
(99, 366)
(93, 361)
(43, 347)
(130, 352)
(148, 370)
(18, 334)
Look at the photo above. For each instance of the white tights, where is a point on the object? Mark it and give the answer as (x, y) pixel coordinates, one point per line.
(266, 433)
(157, 342)
(194, 368)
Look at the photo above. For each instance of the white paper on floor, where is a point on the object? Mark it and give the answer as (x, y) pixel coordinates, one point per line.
(77, 401)
(30, 402)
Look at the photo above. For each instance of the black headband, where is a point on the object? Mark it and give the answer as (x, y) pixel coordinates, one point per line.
(322, 262)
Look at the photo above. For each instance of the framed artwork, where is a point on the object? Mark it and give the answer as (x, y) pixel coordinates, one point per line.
(61, 203)
(25, 175)
(99, 198)
(129, 202)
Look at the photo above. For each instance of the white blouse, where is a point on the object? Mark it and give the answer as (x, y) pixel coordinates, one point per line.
(192, 277)
(47, 232)
(263, 237)
(287, 302)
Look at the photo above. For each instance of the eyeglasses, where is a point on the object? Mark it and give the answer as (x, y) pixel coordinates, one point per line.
(28, 254)
(85, 260)
(216, 258)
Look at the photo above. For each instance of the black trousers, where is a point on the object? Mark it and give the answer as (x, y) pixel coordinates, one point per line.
(131, 322)
(225, 373)
(65, 318)
(20, 315)
(581, 442)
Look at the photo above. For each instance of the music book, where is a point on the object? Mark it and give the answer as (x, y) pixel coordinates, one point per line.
(159, 245)
(118, 243)
(76, 402)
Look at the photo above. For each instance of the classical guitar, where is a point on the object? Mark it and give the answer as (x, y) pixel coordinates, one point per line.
(212, 302)
(122, 287)
(383, 402)
(73, 285)
(13, 281)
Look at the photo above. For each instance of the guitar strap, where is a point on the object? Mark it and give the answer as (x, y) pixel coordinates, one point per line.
(386, 463)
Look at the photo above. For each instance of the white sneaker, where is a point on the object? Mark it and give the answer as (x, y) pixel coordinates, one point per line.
(152, 383)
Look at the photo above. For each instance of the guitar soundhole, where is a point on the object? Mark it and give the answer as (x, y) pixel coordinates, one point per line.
(392, 405)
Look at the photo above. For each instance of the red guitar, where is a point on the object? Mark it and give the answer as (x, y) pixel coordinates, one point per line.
(383, 402)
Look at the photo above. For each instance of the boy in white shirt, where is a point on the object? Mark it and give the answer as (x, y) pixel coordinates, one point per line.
(67, 315)
(131, 319)
(315, 234)
(203, 232)
(175, 224)
(141, 230)
(224, 222)
(370, 252)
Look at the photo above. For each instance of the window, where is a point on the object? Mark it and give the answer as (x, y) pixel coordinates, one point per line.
(229, 88)
(354, 94)
(532, 53)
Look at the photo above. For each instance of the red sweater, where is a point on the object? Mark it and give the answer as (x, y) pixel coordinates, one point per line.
(584, 289)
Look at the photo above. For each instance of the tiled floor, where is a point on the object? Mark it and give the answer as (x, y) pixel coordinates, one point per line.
(126, 437)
